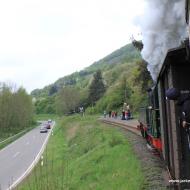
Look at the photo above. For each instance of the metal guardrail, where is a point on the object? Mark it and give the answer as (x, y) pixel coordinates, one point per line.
(1, 142)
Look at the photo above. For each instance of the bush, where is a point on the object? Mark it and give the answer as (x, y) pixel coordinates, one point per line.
(91, 110)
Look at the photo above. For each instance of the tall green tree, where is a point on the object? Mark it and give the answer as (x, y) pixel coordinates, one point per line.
(53, 90)
(6, 112)
(22, 108)
(96, 88)
(16, 108)
(67, 100)
(45, 105)
(143, 76)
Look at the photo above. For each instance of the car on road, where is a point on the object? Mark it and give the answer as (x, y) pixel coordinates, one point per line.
(43, 129)
(48, 126)
(49, 121)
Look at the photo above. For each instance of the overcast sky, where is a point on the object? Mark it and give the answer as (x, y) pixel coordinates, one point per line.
(43, 40)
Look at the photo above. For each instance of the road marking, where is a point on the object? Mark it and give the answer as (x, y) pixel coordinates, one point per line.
(28, 143)
(16, 154)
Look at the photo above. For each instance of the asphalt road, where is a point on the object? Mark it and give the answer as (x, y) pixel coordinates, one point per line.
(17, 157)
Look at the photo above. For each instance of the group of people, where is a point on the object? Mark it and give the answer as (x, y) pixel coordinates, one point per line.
(111, 114)
(125, 115)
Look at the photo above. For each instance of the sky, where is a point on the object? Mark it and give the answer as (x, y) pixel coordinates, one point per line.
(44, 40)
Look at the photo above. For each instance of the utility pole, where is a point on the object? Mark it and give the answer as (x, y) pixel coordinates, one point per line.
(125, 94)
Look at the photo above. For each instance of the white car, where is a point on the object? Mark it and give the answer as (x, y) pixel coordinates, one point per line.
(49, 121)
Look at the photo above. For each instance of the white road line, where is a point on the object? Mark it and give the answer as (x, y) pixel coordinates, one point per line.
(28, 143)
(16, 154)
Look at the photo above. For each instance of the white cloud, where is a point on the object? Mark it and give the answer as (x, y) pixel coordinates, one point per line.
(43, 40)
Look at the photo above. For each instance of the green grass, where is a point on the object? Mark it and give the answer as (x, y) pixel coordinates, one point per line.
(85, 154)
(45, 117)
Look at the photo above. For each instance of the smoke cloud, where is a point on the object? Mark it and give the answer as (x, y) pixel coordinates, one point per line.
(163, 27)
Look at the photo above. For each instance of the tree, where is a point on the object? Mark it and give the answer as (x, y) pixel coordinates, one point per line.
(137, 44)
(144, 78)
(67, 100)
(53, 90)
(6, 101)
(96, 88)
(16, 109)
(45, 105)
(22, 108)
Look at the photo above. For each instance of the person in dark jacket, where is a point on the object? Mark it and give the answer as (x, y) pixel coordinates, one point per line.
(109, 113)
(184, 102)
(123, 115)
(182, 99)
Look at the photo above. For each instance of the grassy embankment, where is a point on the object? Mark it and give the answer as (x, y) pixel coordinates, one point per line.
(84, 154)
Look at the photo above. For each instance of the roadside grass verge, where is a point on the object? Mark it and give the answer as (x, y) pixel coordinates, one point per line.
(85, 154)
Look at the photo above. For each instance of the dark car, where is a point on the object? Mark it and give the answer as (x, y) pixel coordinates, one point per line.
(48, 126)
(43, 129)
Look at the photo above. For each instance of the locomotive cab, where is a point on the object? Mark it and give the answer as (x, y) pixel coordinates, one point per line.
(160, 120)
(175, 73)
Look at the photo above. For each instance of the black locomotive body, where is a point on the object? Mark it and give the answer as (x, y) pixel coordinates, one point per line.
(160, 121)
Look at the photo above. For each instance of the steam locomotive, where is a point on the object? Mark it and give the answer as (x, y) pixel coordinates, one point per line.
(160, 120)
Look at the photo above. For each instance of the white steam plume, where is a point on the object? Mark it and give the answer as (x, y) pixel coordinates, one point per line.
(163, 27)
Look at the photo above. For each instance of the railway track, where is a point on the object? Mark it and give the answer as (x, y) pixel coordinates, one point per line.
(130, 125)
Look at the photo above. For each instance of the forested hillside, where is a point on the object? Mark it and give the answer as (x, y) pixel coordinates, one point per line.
(105, 85)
